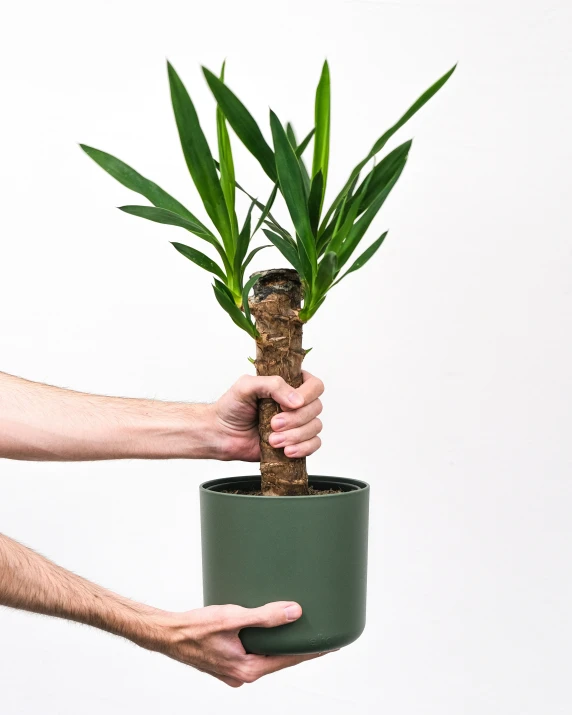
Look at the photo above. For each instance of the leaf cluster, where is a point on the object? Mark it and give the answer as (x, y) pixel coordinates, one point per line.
(322, 241)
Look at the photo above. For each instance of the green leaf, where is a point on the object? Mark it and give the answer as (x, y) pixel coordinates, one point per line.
(266, 209)
(251, 256)
(172, 219)
(326, 273)
(169, 218)
(322, 123)
(381, 175)
(294, 144)
(237, 316)
(227, 179)
(292, 187)
(245, 291)
(286, 249)
(364, 258)
(304, 143)
(134, 181)
(291, 134)
(360, 227)
(309, 311)
(270, 220)
(199, 158)
(200, 259)
(325, 236)
(225, 289)
(342, 231)
(384, 138)
(243, 123)
(315, 200)
(243, 241)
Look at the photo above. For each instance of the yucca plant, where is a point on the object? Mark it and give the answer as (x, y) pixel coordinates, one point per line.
(319, 246)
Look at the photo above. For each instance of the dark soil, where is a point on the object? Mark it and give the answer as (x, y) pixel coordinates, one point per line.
(313, 492)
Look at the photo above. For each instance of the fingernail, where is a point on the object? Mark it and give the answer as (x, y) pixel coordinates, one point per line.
(277, 439)
(293, 612)
(295, 399)
(278, 422)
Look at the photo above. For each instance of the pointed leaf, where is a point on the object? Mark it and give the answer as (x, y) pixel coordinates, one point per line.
(364, 258)
(227, 180)
(243, 241)
(291, 134)
(199, 158)
(342, 230)
(294, 144)
(252, 254)
(315, 200)
(292, 187)
(200, 259)
(326, 272)
(245, 291)
(381, 175)
(243, 123)
(384, 138)
(168, 217)
(360, 227)
(322, 123)
(266, 209)
(172, 219)
(233, 310)
(304, 143)
(134, 181)
(286, 249)
(270, 220)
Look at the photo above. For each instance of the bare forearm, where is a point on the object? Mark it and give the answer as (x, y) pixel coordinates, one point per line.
(40, 422)
(31, 582)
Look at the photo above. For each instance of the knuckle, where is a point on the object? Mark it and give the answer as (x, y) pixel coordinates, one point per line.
(247, 674)
(293, 436)
(286, 421)
(276, 382)
(227, 617)
(319, 385)
(243, 383)
(252, 676)
(319, 425)
(319, 406)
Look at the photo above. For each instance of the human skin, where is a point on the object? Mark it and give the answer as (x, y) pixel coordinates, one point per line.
(41, 422)
(45, 423)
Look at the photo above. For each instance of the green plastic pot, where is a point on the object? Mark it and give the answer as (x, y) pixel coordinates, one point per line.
(308, 549)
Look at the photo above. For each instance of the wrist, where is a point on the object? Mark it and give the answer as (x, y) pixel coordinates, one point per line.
(158, 631)
(167, 430)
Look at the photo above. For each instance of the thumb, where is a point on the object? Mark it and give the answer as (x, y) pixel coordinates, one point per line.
(276, 387)
(272, 614)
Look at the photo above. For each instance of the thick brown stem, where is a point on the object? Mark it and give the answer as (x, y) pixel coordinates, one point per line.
(275, 306)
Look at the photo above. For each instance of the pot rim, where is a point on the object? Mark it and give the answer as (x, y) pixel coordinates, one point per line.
(357, 485)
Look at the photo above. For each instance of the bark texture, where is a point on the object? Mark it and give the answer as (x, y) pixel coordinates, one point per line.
(275, 306)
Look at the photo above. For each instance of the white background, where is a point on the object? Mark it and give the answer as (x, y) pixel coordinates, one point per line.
(446, 361)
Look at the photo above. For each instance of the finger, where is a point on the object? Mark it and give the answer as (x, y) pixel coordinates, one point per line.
(233, 682)
(268, 616)
(296, 418)
(304, 449)
(296, 436)
(311, 388)
(250, 388)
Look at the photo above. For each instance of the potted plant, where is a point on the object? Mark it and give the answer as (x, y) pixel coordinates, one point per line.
(278, 535)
